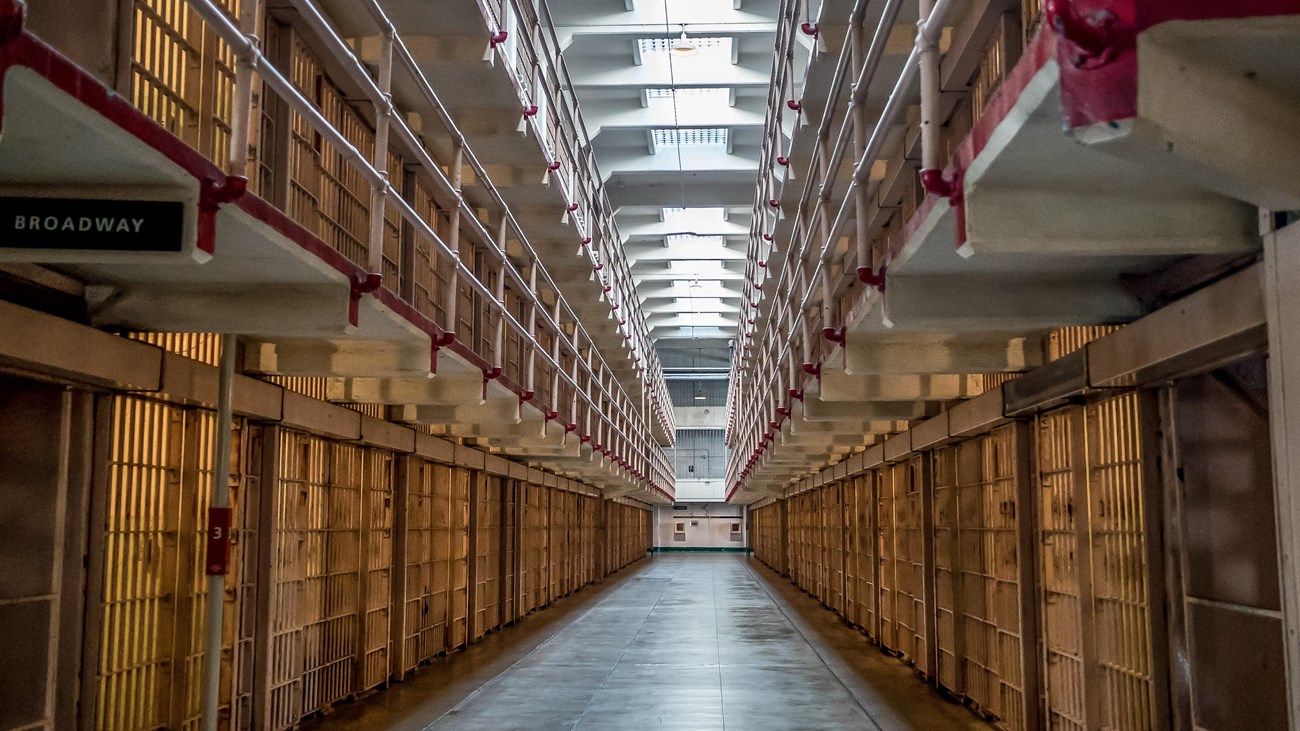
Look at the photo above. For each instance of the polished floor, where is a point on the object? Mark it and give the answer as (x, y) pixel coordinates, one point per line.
(682, 641)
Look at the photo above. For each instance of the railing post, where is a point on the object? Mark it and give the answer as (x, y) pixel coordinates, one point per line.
(379, 158)
(453, 234)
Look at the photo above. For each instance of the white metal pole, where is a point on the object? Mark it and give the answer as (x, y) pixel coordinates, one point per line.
(219, 539)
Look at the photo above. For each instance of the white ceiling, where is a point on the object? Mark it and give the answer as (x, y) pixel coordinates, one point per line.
(677, 138)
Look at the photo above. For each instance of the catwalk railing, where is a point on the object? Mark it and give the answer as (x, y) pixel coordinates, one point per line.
(801, 289)
(533, 51)
(343, 175)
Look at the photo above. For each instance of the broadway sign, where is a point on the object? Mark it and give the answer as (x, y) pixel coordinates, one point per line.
(69, 224)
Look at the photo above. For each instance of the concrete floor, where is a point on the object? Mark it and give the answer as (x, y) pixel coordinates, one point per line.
(683, 641)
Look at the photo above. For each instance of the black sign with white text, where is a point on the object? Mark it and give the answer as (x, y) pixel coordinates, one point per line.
(96, 225)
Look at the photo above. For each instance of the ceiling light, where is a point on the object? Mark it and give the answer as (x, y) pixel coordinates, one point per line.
(683, 46)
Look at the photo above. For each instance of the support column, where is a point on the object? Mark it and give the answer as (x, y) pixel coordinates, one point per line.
(1026, 575)
(929, 589)
(1282, 305)
(405, 474)
(268, 523)
(471, 567)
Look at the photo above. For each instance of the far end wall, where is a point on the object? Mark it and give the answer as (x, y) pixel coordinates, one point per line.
(700, 525)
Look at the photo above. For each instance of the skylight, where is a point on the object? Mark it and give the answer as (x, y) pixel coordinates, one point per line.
(694, 217)
(696, 267)
(702, 242)
(688, 105)
(707, 46)
(701, 136)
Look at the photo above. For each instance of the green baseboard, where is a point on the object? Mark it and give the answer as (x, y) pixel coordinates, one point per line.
(699, 549)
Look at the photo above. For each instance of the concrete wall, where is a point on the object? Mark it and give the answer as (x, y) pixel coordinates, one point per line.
(701, 417)
(706, 525)
(44, 437)
(700, 491)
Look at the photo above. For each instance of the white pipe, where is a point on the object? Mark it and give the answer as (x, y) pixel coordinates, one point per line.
(928, 46)
(215, 597)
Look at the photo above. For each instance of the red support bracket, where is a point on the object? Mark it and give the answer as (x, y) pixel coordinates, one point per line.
(872, 278)
(13, 16)
(527, 396)
(795, 106)
(834, 335)
(598, 267)
(499, 37)
(211, 193)
(809, 29)
(952, 189)
(571, 207)
(782, 160)
(784, 411)
(530, 110)
(586, 241)
(552, 415)
(490, 374)
(439, 342)
(570, 428)
(553, 165)
(774, 203)
(584, 438)
(1098, 35)
(362, 283)
(762, 265)
(813, 369)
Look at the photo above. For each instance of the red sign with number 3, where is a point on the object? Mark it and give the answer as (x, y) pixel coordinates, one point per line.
(218, 541)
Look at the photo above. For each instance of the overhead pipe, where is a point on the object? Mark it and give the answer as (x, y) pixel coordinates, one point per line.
(932, 179)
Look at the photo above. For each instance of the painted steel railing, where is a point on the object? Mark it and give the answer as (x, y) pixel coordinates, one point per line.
(349, 180)
(801, 288)
(533, 50)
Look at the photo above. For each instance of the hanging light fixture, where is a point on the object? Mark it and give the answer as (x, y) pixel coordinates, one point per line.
(683, 46)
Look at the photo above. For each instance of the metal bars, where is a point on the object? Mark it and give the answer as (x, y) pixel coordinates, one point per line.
(315, 156)
(1014, 560)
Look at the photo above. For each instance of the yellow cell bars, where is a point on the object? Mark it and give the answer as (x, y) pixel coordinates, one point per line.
(1063, 341)
(867, 599)
(317, 572)
(832, 521)
(988, 561)
(887, 553)
(182, 75)
(459, 617)
(1119, 564)
(1097, 619)
(1061, 568)
(949, 644)
(377, 550)
(151, 645)
(203, 347)
(488, 558)
(909, 562)
(536, 562)
(428, 548)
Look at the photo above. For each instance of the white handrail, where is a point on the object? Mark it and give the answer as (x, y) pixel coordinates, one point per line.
(245, 49)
